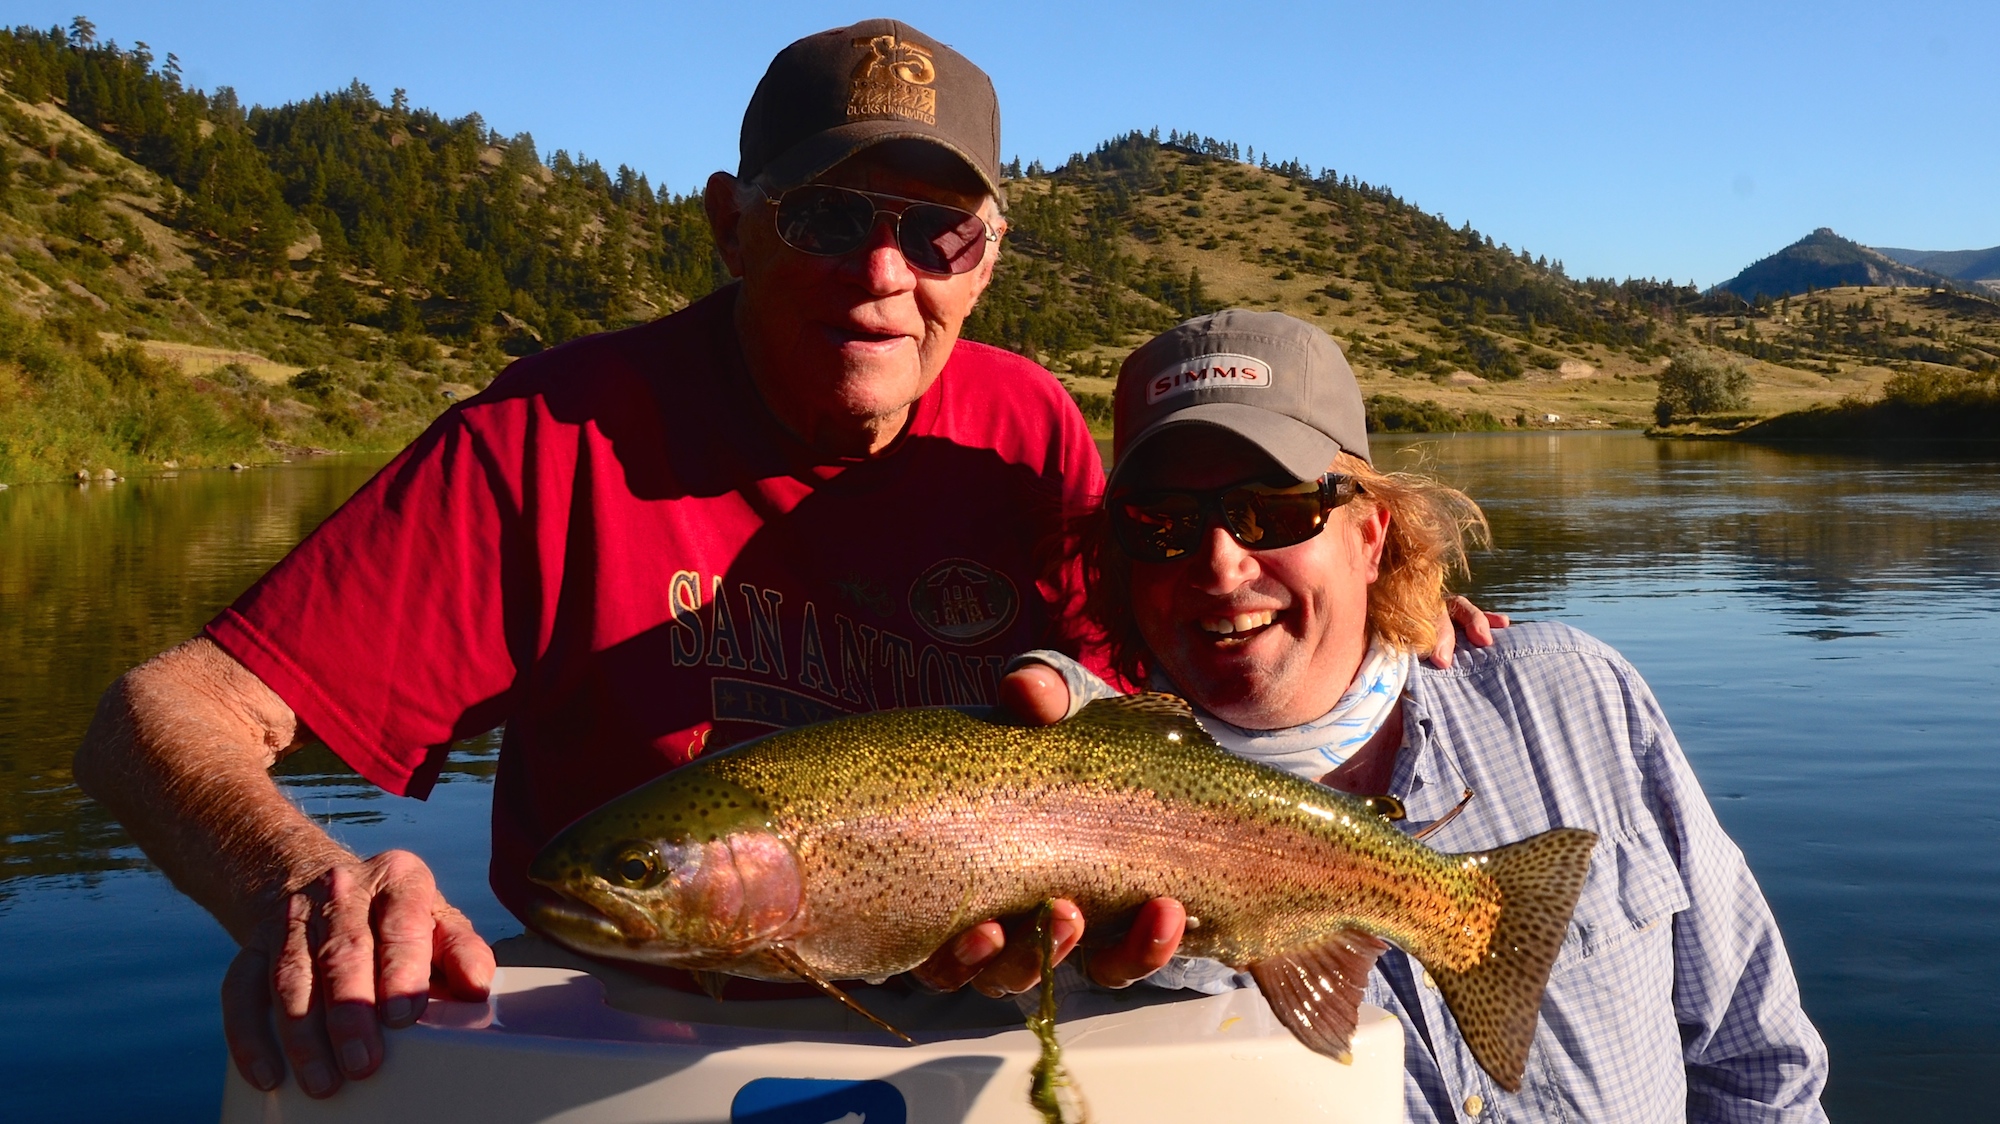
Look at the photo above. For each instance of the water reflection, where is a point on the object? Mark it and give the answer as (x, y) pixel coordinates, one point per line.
(1817, 627)
(94, 579)
(1812, 529)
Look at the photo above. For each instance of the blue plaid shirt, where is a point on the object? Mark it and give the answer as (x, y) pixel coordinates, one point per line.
(1672, 997)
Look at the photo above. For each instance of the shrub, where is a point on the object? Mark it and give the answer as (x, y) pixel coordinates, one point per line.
(1488, 358)
(1096, 408)
(1926, 388)
(1392, 413)
(1699, 382)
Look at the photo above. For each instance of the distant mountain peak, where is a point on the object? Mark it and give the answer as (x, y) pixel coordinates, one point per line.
(1977, 267)
(1825, 260)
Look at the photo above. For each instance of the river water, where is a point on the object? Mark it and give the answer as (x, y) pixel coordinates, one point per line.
(1819, 628)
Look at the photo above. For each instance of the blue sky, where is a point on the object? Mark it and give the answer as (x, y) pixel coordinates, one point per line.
(1670, 140)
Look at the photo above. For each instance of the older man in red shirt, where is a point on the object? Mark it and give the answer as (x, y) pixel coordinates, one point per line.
(799, 497)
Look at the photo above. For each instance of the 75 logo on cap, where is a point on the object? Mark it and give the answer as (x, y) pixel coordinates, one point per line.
(1208, 372)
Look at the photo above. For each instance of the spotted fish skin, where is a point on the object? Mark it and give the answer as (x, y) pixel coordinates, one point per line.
(862, 845)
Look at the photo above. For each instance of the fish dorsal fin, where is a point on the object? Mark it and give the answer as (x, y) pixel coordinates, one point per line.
(1316, 992)
(1153, 712)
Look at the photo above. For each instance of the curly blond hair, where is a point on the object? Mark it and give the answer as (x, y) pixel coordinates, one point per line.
(1431, 525)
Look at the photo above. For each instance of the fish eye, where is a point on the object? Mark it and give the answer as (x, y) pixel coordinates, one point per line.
(636, 865)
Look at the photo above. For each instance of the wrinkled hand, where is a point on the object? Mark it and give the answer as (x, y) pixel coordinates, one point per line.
(1002, 957)
(350, 952)
(1478, 628)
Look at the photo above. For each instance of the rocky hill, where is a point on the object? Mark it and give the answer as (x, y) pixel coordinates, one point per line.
(326, 274)
(1825, 260)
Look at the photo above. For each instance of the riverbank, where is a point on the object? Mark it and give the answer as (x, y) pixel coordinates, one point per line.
(1968, 419)
(71, 403)
(1960, 408)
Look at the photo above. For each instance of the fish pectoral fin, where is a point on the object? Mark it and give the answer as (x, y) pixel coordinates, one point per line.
(798, 967)
(712, 983)
(1316, 992)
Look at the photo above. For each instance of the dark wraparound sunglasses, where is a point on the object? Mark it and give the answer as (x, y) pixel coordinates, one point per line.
(1162, 525)
(828, 221)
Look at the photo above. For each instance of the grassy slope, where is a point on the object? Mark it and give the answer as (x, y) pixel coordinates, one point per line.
(119, 351)
(1238, 244)
(1239, 224)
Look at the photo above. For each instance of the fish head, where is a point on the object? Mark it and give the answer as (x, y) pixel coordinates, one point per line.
(689, 875)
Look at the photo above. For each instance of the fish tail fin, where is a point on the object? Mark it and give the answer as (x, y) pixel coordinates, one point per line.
(1497, 1001)
(1316, 992)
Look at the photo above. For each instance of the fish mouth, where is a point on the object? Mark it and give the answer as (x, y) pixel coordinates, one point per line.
(578, 926)
(572, 923)
(603, 919)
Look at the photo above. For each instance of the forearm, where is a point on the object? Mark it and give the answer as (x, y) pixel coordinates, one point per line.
(180, 751)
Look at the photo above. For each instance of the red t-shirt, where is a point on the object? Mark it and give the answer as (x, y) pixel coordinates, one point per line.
(618, 552)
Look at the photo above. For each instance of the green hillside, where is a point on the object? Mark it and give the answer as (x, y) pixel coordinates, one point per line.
(1444, 328)
(331, 273)
(1979, 267)
(1142, 232)
(184, 279)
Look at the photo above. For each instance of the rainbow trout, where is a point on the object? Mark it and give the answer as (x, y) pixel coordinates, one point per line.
(853, 849)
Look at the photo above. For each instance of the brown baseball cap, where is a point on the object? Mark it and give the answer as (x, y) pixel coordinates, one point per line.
(1273, 380)
(830, 95)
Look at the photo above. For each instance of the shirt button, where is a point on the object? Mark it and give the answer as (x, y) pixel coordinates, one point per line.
(1474, 1105)
(1428, 981)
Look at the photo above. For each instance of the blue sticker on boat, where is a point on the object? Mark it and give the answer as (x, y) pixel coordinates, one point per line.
(805, 1100)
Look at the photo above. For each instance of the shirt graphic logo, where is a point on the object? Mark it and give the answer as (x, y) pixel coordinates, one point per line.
(870, 595)
(893, 80)
(745, 700)
(1208, 372)
(960, 601)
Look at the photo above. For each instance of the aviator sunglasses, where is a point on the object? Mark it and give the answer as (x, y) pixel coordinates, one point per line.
(828, 221)
(1162, 525)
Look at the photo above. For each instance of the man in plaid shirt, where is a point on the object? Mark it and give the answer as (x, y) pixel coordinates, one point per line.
(1287, 602)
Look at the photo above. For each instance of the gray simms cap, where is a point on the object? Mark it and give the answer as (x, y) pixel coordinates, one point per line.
(830, 95)
(1273, 380)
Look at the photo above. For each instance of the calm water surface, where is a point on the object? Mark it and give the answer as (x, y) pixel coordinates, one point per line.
(1820, 630)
